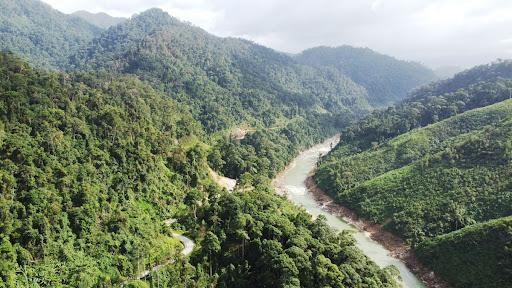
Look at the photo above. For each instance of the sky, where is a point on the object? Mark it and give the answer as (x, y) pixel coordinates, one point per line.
(437, 33)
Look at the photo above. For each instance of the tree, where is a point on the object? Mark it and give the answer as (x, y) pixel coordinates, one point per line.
(7, 263)
(212, 244)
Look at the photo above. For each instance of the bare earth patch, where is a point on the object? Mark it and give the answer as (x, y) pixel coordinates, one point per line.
(224, 182)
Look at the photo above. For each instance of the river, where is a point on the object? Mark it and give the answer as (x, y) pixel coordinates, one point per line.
(291, 181)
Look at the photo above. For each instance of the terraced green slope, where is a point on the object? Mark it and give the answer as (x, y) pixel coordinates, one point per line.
(425, 178)
(431, 180)
(477, 256)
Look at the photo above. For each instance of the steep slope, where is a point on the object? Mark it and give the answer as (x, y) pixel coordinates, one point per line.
(422, 183)
(263, 240)
(92, 165)
(386, 79)
(226, 81)
(41, 34)
(229, 83)
(478, 256)
(431, 180)
(484, 85)
(102, 20)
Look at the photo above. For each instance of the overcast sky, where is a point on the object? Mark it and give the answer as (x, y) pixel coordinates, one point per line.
(435, 32)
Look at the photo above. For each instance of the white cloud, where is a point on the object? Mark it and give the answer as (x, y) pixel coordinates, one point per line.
(436, 32)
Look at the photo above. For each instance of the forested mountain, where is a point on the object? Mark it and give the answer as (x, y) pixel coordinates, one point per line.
(423, 183)
(230, 83)
(91, 166)
(102, 162)
(386, 79)
(477, 87)
(483, 73)
(41, 34)
(226, 81)
(431, 180)
(101, 19)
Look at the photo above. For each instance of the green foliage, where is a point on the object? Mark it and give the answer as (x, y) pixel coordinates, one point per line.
(259, 239)
(137, 284)
(90, 166)
(268, 151)
(7, 263)
(91, 163)
(425, 183)
(474, 88)
(41, 34)
(225, 81)
(476, 256)
(386, 79)
(431, 180)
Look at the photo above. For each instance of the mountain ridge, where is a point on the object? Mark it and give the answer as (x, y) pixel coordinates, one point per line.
(40, 33)
(433, 165)
(100, 19)
(386, 78)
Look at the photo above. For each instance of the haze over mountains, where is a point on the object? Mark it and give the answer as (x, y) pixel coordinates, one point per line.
(102, 20)
(434, 32)
(109, 129)
(386, 79)
(43, 35)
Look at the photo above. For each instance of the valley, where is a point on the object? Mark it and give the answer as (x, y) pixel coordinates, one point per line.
(435, 172)
(145, 151)
(292, 183)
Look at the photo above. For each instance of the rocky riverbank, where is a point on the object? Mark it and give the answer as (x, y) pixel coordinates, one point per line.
(397, 247)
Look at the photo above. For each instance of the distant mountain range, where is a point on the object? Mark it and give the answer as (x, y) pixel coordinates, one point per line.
(53, 39)
(102, 20)
(386, 79)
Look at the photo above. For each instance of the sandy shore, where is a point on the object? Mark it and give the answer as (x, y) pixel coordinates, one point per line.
(397, 247)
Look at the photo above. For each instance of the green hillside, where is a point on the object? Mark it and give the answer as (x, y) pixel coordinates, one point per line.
(424, 178)
(432, 180)
(230, 83)
(226, 81)
(386, 79)
(477, 256)
(109, 130)
(44, 36)
(485, 85)
(91, 166)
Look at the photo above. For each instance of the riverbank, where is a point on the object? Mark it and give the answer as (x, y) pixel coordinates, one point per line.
(394, 244)
(277, 182)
